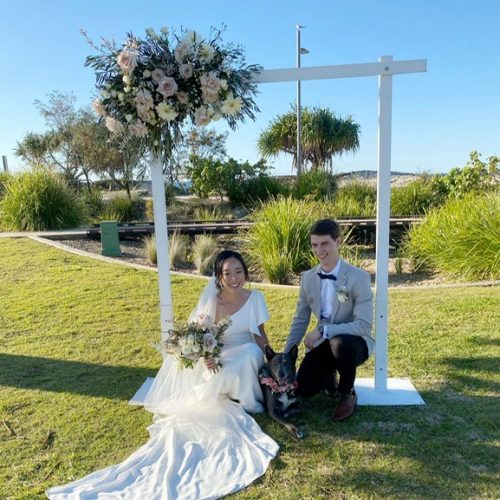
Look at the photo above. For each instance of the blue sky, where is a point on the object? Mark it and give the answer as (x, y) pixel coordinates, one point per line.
(438, 116)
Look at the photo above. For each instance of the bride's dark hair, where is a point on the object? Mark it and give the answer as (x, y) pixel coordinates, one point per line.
(219, 262)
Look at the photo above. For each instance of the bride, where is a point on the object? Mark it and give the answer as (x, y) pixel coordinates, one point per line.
(202, 443)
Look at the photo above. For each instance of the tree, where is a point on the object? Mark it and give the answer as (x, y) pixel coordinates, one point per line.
(323, 136)
(79, 144)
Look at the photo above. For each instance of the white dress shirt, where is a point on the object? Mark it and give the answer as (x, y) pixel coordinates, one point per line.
(328, 291)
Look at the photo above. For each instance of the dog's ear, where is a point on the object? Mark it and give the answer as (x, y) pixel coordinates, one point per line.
(269, 352)
(294, 352)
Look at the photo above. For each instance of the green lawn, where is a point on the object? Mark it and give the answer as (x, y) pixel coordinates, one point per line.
(75, 344)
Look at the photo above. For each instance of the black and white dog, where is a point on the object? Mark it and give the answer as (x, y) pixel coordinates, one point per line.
(277, 379)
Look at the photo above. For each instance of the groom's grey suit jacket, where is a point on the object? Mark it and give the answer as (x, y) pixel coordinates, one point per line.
(353, 316)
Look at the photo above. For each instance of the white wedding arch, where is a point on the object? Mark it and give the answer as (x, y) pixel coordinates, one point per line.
(379, 390)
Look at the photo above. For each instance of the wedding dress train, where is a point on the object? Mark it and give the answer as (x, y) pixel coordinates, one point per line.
(202, 443)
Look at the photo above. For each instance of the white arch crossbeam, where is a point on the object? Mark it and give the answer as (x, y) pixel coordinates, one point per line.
(379, 390)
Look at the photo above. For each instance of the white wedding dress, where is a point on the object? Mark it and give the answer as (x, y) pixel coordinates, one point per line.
(203, 444)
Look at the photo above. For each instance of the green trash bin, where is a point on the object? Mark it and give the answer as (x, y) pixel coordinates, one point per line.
(110, 242)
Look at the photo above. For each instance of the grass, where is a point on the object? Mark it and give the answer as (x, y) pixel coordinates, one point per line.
(204, 251)
(75, 344)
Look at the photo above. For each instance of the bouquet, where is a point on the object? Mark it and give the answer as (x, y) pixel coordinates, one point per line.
(197, 339)
(149, 86)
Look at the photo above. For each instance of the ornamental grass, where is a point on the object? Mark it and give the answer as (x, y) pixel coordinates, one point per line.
(278, 244)
(461, 239)
(39, 200)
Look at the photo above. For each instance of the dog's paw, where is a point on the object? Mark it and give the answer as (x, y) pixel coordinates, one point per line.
(296, 432)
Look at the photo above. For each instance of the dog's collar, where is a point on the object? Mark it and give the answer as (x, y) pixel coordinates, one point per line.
(275, 387)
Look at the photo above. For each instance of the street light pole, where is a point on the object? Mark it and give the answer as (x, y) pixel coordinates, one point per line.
(300, 51)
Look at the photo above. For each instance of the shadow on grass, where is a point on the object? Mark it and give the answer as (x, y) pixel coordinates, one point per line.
(58, 375)
(443, 449)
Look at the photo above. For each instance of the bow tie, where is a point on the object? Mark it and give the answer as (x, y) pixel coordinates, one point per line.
(327, 276)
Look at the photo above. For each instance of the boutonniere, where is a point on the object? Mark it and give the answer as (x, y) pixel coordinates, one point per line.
(343, 294)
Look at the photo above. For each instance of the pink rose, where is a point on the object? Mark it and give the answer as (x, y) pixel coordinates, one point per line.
(157, 75)
(167, 87)
(186, 71)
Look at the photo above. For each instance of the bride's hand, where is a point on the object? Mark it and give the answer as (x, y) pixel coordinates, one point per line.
(210, 364)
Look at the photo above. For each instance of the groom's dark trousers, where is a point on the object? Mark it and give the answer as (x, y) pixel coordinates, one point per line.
(343, 354)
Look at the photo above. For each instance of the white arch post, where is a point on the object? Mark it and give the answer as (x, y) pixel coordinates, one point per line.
(379, 390)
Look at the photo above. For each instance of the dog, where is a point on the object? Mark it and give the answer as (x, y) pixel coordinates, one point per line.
(277, 379)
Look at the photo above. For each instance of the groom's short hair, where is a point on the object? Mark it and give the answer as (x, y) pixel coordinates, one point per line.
(326, 227)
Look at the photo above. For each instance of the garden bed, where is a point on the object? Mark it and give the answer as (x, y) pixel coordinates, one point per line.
(132, 252)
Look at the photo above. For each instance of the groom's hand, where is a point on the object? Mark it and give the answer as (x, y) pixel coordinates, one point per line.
(311, 339)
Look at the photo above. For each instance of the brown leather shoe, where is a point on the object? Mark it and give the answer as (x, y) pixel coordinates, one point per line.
(345, 407)
(331, 388)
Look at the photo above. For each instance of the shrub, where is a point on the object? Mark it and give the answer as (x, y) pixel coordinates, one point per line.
(476, 176)
(314, 185)
(223, 177)
(252, 191)
(356, 198)
(39, 200)
(278, 244)
(123, 209)
(93, 203)
(204, 250)
(461, 239)
(415, 198)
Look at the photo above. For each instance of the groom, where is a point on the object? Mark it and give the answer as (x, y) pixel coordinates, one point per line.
(340, 297)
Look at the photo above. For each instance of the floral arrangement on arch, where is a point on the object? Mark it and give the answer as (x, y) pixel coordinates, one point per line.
(149, 86)
(197, 339)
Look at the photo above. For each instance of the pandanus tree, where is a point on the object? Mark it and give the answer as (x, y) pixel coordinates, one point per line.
(324, 136)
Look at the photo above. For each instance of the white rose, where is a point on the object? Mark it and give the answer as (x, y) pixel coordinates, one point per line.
(138, 129)
(183, 49)
(182, 97)
(206, 52)
(127, 60)
(126, 79)
(223, 84)
(209, 96)
(114, 125)
(187, 350)
(210, 81)
(202, 116)
(128, 118)
(98, 107)
(146, 73)
(193, 37)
